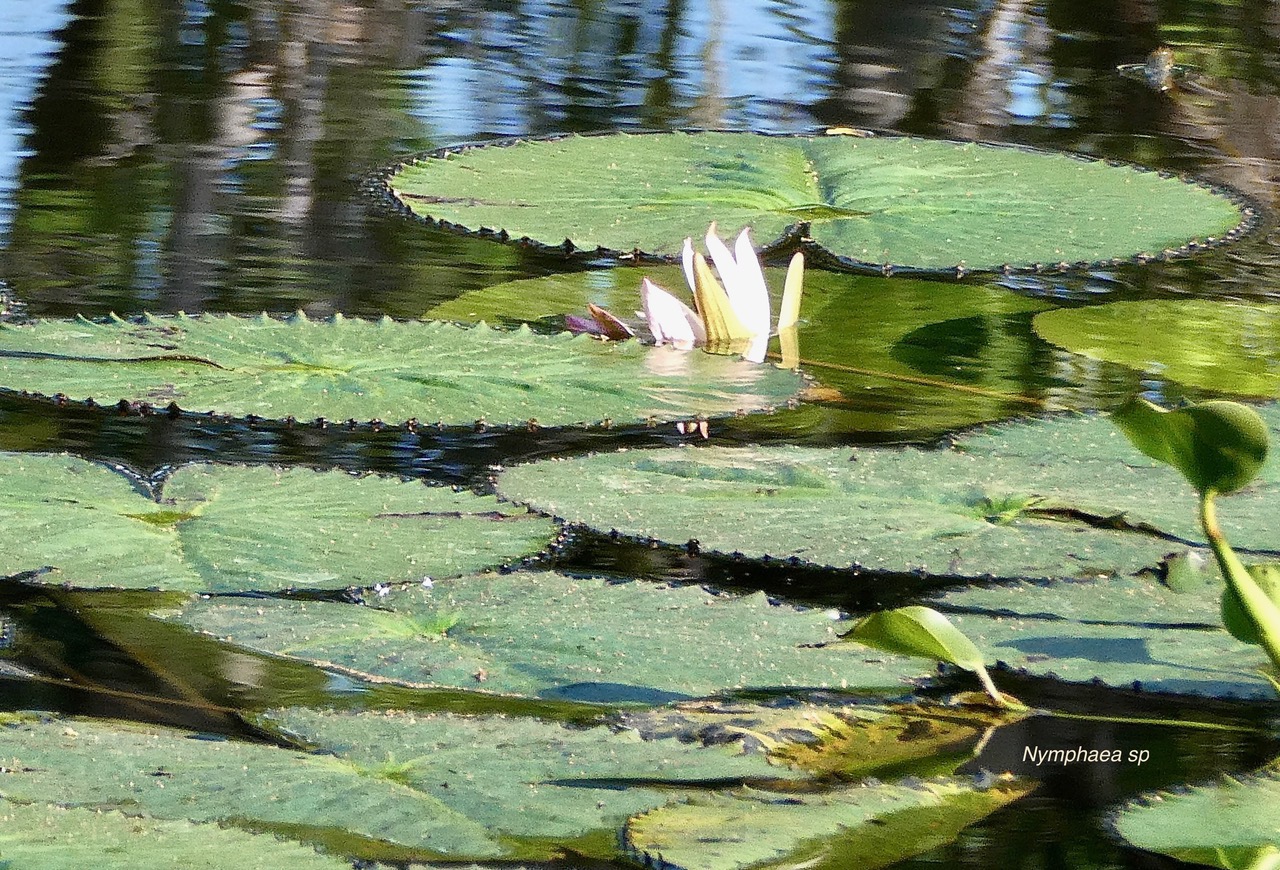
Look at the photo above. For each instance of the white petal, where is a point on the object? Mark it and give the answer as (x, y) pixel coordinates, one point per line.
(686, 260)
(725, 265)
(670, 320)
(759, 346)
(751, 300)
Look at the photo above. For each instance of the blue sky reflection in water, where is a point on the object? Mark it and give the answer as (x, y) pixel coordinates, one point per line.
(204, 156)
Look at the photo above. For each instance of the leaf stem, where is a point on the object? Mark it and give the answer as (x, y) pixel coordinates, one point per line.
(1261, 609)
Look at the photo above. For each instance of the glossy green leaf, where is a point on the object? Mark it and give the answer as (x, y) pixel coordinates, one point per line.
(1233, 824)
(552, 636)
(387, 370)
(917, 631)
(237, 528)
(44, 837)
(914, 202)
(1206, 343)
(1060, 497)
(1235, 617)
(975, 337)
(1219, 446)
(867, 826)
(530, 784)
(1118, 631)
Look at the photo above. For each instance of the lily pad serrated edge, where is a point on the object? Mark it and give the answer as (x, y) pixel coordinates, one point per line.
(378, 185)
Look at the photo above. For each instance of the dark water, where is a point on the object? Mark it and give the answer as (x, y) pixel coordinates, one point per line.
(206, 156)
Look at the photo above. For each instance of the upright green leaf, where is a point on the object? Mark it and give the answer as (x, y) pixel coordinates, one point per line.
(386, 370)
(913, 202)
(917, 631)
(240, 528)
(1218, 446)
(1235, 617)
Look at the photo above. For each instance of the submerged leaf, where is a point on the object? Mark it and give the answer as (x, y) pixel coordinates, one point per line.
(1207, 343)
(876, 200)
(867, 827)
(553, 636)
(238, 528)
(385, 370)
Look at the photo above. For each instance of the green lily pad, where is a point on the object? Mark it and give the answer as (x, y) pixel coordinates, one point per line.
(1118, 631)
(852, 327)
(880, 200)
(552, 636)
(387, 370)
(867, 826)
(44, 837)
(238, 528)
(1202, 343)
(529, 783)
(1233, 824)
(1060, 497)
(431, 787)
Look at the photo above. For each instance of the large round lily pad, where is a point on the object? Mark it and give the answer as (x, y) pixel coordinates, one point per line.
(239, 528)
(552, 636)
(879, 200)
(1118, 631)
(46, 837)
(1059, 497)
(1202, 343)
(387, 370)
(401, 786)
(875, 340)
(1233, 824)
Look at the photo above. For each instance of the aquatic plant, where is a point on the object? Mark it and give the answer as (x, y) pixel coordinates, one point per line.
(1219, 447)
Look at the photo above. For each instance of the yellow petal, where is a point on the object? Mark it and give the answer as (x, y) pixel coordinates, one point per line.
(789, 313)
(725, 332)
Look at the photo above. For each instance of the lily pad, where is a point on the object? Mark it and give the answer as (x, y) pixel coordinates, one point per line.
(1232, 348)
(867, 826)
(236, 528)
(437, 786)
(45, 837)
(529, 783)
(1060, 497)
(1117, 631)
(872, 339)
(879, 200)
(1233, 824)
(552, 636)
(386, 370)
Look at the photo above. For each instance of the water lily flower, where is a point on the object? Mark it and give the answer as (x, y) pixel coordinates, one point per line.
(732, 313)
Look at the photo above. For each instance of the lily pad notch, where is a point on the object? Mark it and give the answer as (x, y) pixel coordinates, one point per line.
(879, 204)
